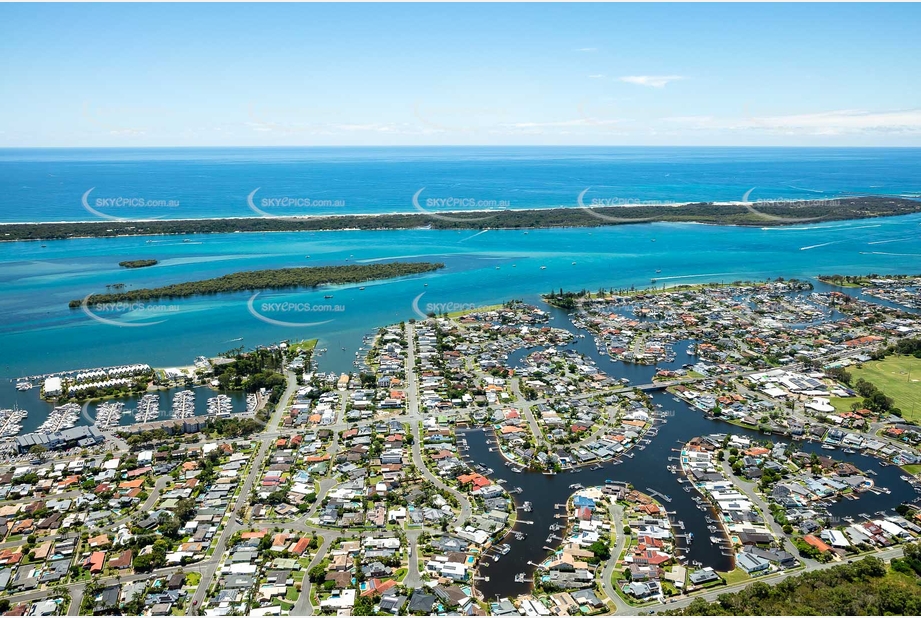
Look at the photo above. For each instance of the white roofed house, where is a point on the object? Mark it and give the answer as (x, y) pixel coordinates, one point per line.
(820, 404)
(835, 538)
(893, 529)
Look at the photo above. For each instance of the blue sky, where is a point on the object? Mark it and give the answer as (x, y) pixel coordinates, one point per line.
(347, 74)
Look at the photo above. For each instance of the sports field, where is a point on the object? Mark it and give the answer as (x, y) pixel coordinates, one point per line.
(898, 377)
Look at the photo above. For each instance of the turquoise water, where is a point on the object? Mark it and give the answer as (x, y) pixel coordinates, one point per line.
(39, 333)
(49, 184)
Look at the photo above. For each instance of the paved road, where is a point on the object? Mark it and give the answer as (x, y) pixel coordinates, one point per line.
(748, 489)
(76, 600)
(231, 526)
(413, 415)
(303, 606)
(75, 493)
(76, 588)
(412, 405)
(617, 527)
(525, 406)
(413, 578)
(712, 595)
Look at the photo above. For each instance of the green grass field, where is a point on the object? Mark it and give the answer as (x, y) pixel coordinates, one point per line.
(891, 375)
(736, 576)
(306, 345)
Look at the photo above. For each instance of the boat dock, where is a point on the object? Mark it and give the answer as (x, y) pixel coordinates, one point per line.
(657, 494)
(184, 404)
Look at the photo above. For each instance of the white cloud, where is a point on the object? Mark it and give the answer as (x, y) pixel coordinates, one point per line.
(655, 81)
(837, 122)
(596, 76)
(587, 49)
(845, 121)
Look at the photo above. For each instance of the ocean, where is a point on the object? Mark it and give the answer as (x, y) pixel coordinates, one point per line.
(39, 333)
(176, 183)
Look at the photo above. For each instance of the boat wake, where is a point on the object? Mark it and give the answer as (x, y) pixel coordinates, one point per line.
(824, 244)
(474, 236)
(884, 242)
(895, 254)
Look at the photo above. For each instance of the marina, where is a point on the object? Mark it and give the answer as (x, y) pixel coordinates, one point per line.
(183, 404)
(109, 414)
(61, 417)
(220, 406)
(148, 409)
(11, 422)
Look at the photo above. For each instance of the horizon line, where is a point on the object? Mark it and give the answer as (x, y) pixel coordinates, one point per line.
(408, 146)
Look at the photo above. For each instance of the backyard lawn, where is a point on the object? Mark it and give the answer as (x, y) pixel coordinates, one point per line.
(735, 577)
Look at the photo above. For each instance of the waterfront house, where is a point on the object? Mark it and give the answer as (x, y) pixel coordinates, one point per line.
(751, 563)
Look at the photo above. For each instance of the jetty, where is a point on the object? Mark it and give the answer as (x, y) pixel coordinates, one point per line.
(657, 494)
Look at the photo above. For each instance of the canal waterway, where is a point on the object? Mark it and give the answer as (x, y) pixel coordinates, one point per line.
(647, 469)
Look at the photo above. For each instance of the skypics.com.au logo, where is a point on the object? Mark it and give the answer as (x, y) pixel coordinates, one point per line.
(750, 207)
(287, 203)
(610, 202)
(447, 208)
(602, 208)
(140, 314)
(141, 208)
(430, 310)
(262, 312)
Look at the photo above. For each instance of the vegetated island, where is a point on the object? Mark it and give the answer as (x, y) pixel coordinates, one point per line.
(274, 279)
(137, 263)
(771, 214)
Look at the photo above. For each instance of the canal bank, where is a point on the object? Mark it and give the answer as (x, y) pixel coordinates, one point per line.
(647, 470)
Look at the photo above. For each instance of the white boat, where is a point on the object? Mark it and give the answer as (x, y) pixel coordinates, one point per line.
(61, 417)
(23, 386)
(221, 405)
(109, 414)
(184, 404)
(148, 409)
(10, 425)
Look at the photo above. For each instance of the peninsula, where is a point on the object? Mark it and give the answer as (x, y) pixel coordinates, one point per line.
(637, 451)
(761, 214)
